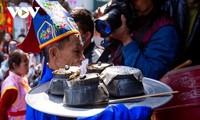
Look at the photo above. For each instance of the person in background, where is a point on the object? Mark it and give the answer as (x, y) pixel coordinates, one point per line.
(34, 61)
(21, 36)
(85, 22)
(1, 58)
(65, 4)
(152, 45)
(15, 87)
(22, 33)
(5, 67)
(4, 64)
(7, 38)
(187, 17)
(60, 43)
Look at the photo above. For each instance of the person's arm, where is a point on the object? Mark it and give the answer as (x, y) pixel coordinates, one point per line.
(7, 99)
(155, 59)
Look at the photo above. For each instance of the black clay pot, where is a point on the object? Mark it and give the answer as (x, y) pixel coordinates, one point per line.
(59, 82)
(125, 86)
(123, 81)
(84, 91)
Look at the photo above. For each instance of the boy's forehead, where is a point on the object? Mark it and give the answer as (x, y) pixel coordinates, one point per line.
(75, 40)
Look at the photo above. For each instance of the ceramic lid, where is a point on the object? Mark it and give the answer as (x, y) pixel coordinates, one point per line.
(98, 66)
(68, 70)
(110, 72)
(86, 79)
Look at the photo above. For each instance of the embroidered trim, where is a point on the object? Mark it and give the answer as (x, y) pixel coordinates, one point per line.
(58, 38)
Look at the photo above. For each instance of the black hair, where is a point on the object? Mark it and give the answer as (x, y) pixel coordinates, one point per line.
(16, 57)
(85, 18)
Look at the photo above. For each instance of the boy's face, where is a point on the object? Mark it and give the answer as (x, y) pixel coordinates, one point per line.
(72, 52)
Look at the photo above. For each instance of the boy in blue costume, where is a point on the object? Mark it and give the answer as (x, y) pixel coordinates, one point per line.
(53, 32)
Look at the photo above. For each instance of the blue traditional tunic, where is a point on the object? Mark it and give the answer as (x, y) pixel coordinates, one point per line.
(32, 114)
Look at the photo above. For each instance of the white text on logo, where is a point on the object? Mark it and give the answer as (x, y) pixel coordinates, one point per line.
(23, 12)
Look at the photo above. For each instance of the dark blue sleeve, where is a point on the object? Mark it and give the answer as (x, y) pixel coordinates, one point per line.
(159, 54)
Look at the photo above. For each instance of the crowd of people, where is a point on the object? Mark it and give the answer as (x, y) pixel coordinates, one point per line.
(164, 36)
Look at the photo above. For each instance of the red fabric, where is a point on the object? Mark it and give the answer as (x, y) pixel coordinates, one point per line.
(9, 22)
(30, 43)
(18, 113)
(6, 102)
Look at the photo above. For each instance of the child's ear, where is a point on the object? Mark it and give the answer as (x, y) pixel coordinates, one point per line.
(14, 66)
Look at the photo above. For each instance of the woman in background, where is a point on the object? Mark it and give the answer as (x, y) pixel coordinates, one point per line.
(7, 38)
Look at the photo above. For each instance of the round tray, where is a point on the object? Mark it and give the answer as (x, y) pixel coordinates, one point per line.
(39, 99)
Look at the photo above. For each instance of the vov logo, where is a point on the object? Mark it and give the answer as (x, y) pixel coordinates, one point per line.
(23, 12)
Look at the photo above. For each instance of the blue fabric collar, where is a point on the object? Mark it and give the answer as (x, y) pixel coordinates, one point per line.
(47, 74)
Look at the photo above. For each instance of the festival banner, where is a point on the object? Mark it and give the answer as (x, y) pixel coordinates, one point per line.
(9, 21)
(2, 16)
